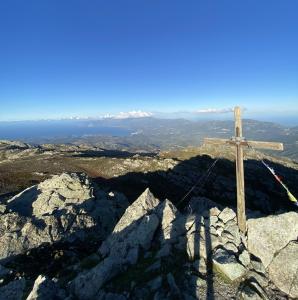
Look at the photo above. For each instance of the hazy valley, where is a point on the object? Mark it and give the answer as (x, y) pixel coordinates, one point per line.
(146, 134)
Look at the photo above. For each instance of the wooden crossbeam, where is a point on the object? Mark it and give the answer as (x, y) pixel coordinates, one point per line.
(254, 144)
(239, 142)
(266, 145)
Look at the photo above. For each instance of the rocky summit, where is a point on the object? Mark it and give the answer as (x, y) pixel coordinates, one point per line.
(66, 238)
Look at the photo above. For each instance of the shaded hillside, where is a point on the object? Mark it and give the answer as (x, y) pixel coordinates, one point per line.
(169, 174)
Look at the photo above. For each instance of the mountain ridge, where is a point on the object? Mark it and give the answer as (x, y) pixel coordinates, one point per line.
(151, 134)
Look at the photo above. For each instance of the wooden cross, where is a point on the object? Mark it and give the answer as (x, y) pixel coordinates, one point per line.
(238, 141)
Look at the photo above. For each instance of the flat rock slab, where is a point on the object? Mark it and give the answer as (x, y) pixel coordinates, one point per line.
(268, 235)
(283, 270)
(226, 264)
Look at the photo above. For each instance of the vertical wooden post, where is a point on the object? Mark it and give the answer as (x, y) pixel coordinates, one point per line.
(241, 217)
(239, 142)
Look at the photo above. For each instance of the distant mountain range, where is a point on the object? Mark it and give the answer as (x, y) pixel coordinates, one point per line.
(146, 133)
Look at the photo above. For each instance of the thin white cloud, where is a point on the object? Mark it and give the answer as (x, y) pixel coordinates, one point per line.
(133, 114)
(214, 111)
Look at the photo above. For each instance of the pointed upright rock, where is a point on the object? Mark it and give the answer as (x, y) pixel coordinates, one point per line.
(142, 206)
(134, 231)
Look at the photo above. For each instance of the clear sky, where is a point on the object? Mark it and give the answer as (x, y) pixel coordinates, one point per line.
(63, 58)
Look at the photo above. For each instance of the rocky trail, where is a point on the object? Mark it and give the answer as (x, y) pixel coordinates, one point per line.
(68, 238)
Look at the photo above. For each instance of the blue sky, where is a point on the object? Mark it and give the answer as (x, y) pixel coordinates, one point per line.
(88, 58)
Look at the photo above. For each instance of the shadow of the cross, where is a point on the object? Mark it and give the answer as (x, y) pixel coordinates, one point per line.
(263, 193)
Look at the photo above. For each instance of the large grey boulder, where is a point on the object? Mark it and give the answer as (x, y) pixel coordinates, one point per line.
(46, 289)
(58, 192)
(123, 253)
(227, 265)
(268, 235)
(133, 232)
(14, 237)
(64, 208)
(283, 270)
